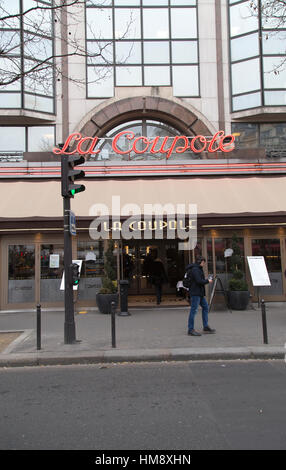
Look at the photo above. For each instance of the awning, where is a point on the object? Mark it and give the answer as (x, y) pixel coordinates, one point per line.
(26, 199)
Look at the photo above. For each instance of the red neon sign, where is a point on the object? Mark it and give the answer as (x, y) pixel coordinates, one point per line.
(178, 144)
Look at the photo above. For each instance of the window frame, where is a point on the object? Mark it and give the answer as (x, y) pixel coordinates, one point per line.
(170, 39)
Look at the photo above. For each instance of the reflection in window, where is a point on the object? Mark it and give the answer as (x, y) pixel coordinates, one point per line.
(92, 271)
(128, 52)
(27, 40)
(21, 273)
(245, 76)
(220, 264)
(27, 139)
(41, 138)
(242, 20)
(91, 252)
(12, 139)
(21, 262)
(144, 35)
(273, 135)
(147, 128)
(52, 266)
(270, 249)
(127, 24)
(251, 135)
(156, 52)
(155, 23)
(275, 98)
(244, 47)
(131, 76)
(155, 131)
(247, 101)
(156, 76)
(246, 134)
(249, 38)
(185, 79)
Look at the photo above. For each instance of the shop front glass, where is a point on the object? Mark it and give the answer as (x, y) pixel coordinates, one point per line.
(21, 277)
(52, 266)
(219, 262)
(92, 270)
(270, 249)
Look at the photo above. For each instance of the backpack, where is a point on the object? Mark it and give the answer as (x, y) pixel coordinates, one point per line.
(187, 280)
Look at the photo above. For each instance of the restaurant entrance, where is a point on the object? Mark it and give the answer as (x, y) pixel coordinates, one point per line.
(136, 264)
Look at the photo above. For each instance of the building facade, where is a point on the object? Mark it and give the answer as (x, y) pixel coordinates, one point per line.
(153, 93)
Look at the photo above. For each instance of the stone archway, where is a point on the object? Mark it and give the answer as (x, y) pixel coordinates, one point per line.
(150, 107)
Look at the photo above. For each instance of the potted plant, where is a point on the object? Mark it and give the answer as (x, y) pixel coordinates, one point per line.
(108, 292)
(238, 293)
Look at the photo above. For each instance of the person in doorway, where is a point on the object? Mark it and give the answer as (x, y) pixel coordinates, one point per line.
(158, 278)
(197, 296)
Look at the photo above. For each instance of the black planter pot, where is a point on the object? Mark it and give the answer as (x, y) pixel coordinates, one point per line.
(238, 299)
(103, 302)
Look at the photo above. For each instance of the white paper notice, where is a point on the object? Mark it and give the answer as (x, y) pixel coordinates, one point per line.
(258, 271)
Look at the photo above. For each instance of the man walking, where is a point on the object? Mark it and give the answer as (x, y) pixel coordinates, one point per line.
(197, 296)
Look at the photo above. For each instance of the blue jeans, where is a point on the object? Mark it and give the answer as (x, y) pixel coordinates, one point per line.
(196, 301)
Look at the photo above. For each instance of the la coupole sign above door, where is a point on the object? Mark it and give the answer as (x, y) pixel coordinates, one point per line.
(178, 144)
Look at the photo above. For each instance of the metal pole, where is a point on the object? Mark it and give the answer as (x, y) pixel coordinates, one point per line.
(38, 326)
(113, 340)
(69, 326)
(264, 324)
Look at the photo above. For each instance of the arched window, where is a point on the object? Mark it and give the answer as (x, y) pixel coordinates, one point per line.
(149, 128)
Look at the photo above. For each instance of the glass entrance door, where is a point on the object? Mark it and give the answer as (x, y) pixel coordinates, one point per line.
(137, 260)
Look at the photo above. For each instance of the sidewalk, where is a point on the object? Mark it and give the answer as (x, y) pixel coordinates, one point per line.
(158, 334)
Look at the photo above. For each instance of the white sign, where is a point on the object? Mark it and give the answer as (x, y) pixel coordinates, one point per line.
(54, 261)
(77, 261)
(258, 271)
(228, 252)
(90, 256)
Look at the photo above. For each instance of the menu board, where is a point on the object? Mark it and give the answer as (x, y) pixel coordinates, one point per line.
(258, 271)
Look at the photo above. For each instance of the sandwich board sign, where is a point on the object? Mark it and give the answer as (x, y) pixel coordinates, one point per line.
(258, 271)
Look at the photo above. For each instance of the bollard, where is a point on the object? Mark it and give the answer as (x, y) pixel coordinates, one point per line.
(124, 284)
(264, 324)
(113, 340)
(38, 326)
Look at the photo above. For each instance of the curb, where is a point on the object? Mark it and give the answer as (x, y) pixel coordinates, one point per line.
(142, 355)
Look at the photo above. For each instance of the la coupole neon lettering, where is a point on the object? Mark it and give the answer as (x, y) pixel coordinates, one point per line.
(178, 144)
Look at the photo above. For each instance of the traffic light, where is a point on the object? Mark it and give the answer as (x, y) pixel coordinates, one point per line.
(75, 275)
(69, 175)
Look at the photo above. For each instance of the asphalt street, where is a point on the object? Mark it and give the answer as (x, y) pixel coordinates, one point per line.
(166, 405)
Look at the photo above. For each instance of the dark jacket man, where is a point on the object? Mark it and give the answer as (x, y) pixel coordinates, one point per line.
(198, 280)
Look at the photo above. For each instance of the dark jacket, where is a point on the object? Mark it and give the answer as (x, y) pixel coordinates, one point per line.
(198, 280)
(158, 275)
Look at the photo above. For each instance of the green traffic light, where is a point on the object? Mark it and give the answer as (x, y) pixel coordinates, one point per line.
(73, 192)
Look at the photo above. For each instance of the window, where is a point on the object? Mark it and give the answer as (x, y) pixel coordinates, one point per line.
(21, 278)
(153, 43)
(257, 48)
(92, 270)
(251, 135)
(27, 40)
(141, 127)
(52, 266)
(270, 249)
(27, 139)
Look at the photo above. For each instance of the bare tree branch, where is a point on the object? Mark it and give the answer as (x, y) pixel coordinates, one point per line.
(27, 38)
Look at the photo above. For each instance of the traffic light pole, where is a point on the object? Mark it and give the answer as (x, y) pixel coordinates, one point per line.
(68, 190)
(69, 327)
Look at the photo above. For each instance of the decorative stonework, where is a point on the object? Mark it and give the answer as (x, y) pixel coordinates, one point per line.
(152, 107)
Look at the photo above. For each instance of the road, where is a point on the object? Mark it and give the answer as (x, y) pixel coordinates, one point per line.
(153, 406)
